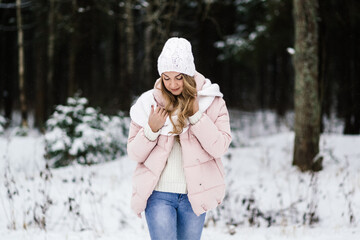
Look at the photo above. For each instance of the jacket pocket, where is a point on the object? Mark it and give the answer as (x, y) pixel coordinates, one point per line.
(202, 156)
(194, 179)
(212, 176)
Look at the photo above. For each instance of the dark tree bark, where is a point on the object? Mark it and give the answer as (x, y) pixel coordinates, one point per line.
(306, 96)
(8, 70)
(21, 67)
(119, 70)
(40, 71)
(125, 86)
(148, 45)
(130, 37)
(351, 92)
(50, 58)
(72, 53)
(284, 86)
(325, 109)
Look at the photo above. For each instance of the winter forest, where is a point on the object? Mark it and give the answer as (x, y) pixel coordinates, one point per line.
(71, 69)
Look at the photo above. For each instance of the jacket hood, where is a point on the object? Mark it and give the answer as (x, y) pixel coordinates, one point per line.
(204, 88)
(140, 111)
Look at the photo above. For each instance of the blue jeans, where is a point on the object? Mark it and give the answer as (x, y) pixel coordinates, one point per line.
(170, 216)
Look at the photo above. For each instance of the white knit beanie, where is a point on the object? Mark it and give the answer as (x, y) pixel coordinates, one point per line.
(176, 56)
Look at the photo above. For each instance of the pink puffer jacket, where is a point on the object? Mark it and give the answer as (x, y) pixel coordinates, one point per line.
(202, 145)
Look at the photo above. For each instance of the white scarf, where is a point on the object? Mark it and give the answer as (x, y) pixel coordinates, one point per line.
(140, 111)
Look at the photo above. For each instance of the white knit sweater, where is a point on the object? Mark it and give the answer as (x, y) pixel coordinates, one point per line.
(172, 179)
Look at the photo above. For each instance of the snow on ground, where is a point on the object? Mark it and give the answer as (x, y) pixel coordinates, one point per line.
(93, 202)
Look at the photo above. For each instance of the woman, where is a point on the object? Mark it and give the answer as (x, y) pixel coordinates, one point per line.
(178, 132)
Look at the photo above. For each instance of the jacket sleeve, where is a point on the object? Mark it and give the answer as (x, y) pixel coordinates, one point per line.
(214, 136)
(139, 146)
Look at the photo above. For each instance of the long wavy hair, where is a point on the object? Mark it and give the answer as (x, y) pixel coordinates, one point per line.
(183, 103)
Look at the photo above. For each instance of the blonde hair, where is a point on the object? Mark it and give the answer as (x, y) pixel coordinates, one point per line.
(183, 102)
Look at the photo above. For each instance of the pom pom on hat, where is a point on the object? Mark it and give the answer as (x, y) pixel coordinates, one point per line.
(176, 56)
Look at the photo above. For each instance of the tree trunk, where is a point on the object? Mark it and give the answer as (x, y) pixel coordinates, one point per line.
(261, 86)
(352, 119)
(40, 116)
(283, 85)
(130, 38)
(121, 60)
(94, 87)
(125, 88)
(72, 54)
(306, 95)
(274, 66)
(20, 41)
(40, 73)
(8, 61)
(50, 58)
(148, 46)
(72, 60)
(7, 91)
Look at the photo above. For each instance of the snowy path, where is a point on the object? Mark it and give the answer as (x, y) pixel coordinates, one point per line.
(274, 233)
(93, 202)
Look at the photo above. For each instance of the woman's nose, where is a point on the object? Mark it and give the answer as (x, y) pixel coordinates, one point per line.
(172, 83)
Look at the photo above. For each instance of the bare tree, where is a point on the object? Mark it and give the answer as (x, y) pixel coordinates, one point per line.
(125, 86)
(40, 70)
(72, 52)
(130, 37)
(148, 43)
(20, 41)
(306, 96)
(50, 54)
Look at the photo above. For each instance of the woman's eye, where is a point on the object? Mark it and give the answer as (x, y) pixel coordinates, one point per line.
(166, 79)
(179, 78)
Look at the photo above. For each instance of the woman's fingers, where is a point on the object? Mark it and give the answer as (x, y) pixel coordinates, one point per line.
(161, 111)
(165, 113)
(157, 118)
(157, 109)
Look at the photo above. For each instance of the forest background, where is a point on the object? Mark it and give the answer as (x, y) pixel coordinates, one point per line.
(106, 50)
(289, 71)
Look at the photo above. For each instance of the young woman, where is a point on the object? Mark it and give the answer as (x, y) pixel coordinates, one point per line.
(179, 131)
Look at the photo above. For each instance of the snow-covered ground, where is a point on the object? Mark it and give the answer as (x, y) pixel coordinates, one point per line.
(93, 202)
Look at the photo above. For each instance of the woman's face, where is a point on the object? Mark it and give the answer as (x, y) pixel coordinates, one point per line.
(173, 82)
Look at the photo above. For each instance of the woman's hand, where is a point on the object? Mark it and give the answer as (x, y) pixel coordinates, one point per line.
(157, 118)
(195, 105)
